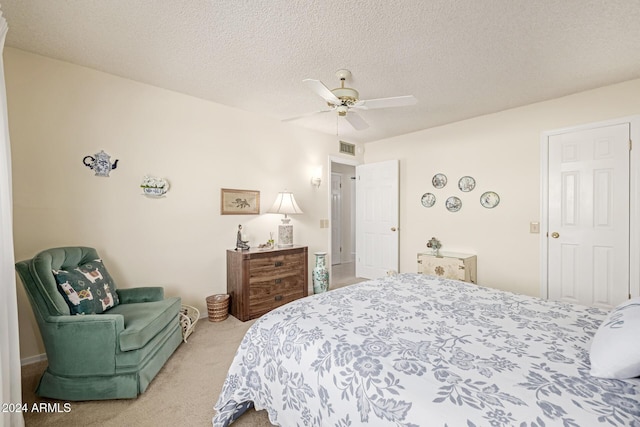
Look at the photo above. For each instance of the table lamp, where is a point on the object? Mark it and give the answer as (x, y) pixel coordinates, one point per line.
(285, 204)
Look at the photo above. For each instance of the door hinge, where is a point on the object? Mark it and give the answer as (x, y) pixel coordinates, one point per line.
(630, 145)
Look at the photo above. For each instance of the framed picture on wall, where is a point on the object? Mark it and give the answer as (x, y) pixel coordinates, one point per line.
(239, 202)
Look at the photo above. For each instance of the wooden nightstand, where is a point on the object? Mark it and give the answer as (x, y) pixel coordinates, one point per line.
(449, 265)
(260, 280)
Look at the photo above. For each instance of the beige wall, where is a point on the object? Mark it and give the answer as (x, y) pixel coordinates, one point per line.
(59, 113)
(502, 152)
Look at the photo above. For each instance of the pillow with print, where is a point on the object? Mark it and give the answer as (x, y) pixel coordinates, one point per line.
(615, 349)
(88, 288)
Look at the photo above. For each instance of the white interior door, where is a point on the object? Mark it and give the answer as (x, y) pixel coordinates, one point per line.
(377, 193)
(336, 218)
(588, 225)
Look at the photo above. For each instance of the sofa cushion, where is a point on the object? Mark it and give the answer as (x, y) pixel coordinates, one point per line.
(87, 288)
(133, 359)
(143, 321)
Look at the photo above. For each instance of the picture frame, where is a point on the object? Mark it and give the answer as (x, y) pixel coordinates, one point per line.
(239, 202)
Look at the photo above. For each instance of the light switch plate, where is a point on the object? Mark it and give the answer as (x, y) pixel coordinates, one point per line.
(534, 227)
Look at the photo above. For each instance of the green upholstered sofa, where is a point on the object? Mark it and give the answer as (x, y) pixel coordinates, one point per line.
(112, 355)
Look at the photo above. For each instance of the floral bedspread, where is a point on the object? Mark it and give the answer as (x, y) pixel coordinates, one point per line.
(415, 350)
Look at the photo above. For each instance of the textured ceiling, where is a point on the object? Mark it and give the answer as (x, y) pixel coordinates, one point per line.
(459, 58)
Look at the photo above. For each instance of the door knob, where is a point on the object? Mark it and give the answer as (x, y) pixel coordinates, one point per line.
(393, 229)
(555, 234)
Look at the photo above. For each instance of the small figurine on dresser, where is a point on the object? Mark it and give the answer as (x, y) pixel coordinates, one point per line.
(242, 245)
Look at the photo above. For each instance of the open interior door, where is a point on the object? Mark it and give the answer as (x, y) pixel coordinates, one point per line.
(377, 201)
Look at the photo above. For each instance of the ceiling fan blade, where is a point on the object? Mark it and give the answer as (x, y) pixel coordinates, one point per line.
(318, 87)
(290, 119)
(396, 101)
(356, 121)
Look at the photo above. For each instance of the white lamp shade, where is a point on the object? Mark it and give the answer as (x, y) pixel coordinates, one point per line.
(285, 204)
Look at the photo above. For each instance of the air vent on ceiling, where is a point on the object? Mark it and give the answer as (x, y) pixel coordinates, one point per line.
(347, 148)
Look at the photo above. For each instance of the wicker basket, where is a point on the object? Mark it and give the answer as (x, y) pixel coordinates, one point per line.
(218, 307)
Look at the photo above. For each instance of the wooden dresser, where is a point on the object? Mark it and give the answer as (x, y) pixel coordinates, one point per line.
(260, 280)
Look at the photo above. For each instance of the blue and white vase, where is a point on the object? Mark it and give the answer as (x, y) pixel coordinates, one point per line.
(320, 274)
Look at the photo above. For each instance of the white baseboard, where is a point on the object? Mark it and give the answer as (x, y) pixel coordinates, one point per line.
(33, 359)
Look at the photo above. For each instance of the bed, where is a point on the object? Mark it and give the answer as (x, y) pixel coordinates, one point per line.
(415, 350)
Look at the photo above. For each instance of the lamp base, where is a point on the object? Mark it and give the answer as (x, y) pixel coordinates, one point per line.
(285, 235)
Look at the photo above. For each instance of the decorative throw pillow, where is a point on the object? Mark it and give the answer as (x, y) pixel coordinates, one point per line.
(615, 350)
(88, 288)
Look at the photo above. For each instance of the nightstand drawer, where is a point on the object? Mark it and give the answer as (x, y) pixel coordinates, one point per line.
(448, 265)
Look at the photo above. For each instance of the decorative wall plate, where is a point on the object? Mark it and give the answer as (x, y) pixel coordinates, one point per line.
(428, 200)
(466, 184)
(439, 180)
(489, 199)
(453, 204)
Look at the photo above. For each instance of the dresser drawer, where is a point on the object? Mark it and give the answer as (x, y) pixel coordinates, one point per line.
(267, 295)
(274, 267)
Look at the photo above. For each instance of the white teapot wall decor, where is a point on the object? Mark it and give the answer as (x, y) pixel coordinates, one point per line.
(101, 163)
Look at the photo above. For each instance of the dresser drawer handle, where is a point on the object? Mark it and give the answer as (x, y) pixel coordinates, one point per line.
(278, 298)
(278, 281)
(279, 264)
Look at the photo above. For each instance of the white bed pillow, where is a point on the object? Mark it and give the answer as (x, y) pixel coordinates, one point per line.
(615, 350)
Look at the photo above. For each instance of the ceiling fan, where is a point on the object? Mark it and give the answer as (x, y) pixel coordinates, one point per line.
(344, 100)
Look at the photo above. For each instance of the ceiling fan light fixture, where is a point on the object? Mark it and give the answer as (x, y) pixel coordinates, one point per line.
(342, 110)
(346, 95)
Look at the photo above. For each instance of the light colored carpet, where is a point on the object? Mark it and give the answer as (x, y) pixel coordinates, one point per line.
(182, 394)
